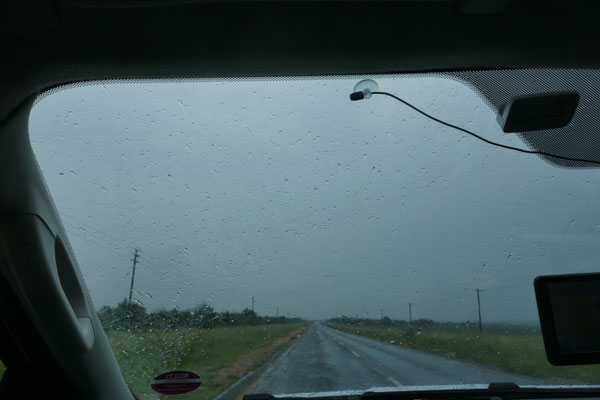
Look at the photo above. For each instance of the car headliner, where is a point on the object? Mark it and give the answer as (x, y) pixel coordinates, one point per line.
(49, 43)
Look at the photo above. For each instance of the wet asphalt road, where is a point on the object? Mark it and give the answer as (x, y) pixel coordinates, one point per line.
(324, 359)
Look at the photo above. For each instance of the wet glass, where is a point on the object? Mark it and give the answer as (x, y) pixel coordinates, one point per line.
(280, 230)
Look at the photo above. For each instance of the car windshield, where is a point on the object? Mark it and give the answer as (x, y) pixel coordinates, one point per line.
(271, 236)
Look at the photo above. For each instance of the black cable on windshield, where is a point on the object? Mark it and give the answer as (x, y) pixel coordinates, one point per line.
(359, 96)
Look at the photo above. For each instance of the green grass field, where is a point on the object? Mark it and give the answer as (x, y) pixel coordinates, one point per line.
(220, 355)
(523, 354)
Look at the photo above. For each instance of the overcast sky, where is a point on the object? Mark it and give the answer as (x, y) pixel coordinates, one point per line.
(288, 192)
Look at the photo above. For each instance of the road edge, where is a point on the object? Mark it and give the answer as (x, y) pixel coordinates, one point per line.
(246, 382)
(484, 367)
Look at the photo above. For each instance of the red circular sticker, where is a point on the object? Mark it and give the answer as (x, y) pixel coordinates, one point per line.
(176, 382)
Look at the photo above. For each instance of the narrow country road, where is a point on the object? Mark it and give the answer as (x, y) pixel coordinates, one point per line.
(324, 359)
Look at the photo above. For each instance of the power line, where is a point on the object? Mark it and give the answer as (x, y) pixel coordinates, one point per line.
(115, 251)
(113, 240)
(105, 243)
(79, 226)
(117, 243)
(463, 296)
(527, 283)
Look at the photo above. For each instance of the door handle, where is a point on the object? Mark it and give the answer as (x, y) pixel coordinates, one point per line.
(39, 269)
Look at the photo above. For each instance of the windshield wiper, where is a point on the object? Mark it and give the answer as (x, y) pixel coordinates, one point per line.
(502, 391)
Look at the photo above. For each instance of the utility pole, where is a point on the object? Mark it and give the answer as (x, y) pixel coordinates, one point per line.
(252, 303)
(135, 257)
(409, 314)
(277, 314)
(479, 310)
(382, 313)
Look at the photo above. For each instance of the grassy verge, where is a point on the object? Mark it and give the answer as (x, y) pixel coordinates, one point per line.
(220, 355)
(522, 354)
